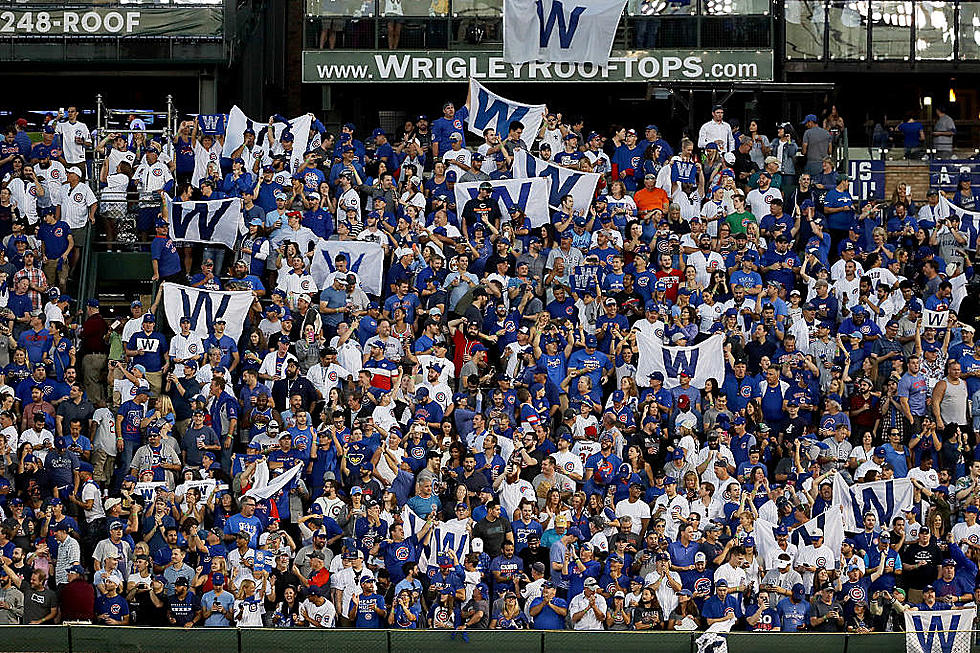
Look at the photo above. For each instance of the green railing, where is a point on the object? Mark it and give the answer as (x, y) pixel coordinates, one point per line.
(105, 639)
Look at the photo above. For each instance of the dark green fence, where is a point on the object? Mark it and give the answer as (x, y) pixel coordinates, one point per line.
(106, 639)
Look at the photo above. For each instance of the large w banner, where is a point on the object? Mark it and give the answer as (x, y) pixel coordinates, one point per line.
(447, 536)
(491, 110)
(885, 499)
(529, 195)
(573, 31)
(216, 222)
(701, 362)
(830, 522)
(366, 260)
(939, 631)
(564, 181)
(203, 307)
(238, 122)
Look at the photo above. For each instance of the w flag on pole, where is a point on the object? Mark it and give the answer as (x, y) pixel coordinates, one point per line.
(203, 307)
(830, 522)
(238, 122)
(529, 195)
(939, 631)
(700, 362)
(364, 259)
(573, 31)
(214, 221)
(885, 499)
(491, 110)
(564, 181)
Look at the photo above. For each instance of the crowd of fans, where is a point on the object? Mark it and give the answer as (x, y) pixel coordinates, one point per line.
(489, 396)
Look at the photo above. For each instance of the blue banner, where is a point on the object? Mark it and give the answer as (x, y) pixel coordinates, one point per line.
(867, 179)
(944, 175)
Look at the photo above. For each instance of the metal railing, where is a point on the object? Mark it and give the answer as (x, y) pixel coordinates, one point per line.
(879, 30)
(106, 639)
(470, 24)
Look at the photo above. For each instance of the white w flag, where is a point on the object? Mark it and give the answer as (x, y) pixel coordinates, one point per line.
(203, 307)
(564, 181)
(969, 220)
(238, 122)
(939, 631)
(491, 110)
(364, 259)
(935, 319)
(262, 488)
(448, 536)
(529, 195)
(701, 362)
(886, 499)
(217, 222)
(560, 30)
(831, 522)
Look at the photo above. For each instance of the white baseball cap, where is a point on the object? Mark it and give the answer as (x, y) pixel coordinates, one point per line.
(74, 170)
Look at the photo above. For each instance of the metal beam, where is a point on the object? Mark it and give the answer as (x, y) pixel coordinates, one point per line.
(736, 87)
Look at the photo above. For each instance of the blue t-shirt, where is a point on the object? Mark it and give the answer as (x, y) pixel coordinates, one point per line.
(915, 389)
(218, 604)
(366, 616)
(911, 131)
(548, 619)
(114, 608)
(153, 346)
(841, 220)
(164, 252)
(792, 616)
(238, 523)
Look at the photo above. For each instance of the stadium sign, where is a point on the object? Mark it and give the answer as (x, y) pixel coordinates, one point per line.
(100, 21)
(343, 67)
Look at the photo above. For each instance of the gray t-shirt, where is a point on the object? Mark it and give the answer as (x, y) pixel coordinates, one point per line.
(37, 603)
(817, 140)
(944, 124)
(194, 438)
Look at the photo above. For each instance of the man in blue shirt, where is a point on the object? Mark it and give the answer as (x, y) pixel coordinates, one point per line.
(442, 128)
(368, 608)
(721, 607)
(36, 341)
(166, 262)
(333, 305)
(838, 206)
(57, 243)
(913, 390)
(148, 348)
(794, 611)
(216, 605)
(591, 363)
(548, 611)
(244, 522)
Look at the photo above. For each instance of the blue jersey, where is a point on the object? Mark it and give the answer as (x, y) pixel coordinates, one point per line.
(54, 237)
(396, 554)
(164, 252)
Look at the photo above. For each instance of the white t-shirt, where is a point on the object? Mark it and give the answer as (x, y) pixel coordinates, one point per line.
(636, 511)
